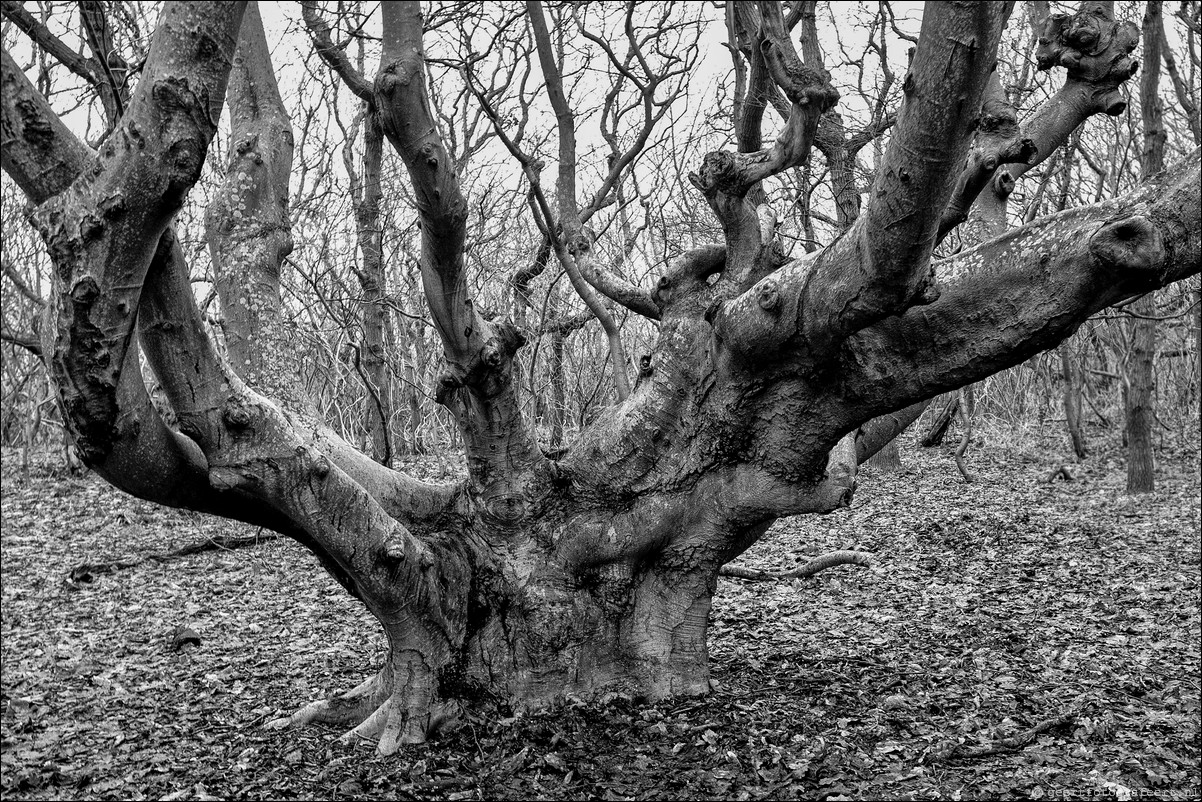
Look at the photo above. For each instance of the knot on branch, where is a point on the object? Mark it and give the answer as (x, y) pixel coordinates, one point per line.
(645, 368)
(448, 383)
(688, 274)
(399, 547)
(392, 77)
(768, 297)
(1003, 183)
(1094, 49)
(315, 461)
(928, 290)
(581, 242)
(997, 117)
(505, 509)
(488, 371)
(236, 414)
(246, 144)
(185, 129)
(720, 172)
(1133, 245)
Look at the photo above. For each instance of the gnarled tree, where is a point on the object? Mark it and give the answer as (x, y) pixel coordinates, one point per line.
(538, 577)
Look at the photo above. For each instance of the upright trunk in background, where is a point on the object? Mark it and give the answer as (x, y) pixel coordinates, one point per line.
(377, 378)
(556, 406)
(1070, 371)
(1139, 385)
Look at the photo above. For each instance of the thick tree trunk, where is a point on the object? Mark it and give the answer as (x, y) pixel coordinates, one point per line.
(520, 628)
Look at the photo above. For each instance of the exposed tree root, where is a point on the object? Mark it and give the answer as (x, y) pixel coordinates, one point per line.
(377, 711)
(87, 572)
(351, 707)
(814, 566)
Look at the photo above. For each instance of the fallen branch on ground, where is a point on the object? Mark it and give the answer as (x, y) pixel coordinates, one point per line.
(87, 572)
(1063, 471)
(1011, 744)
(814, 566)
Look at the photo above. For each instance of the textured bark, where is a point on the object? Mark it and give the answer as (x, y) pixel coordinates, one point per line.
(537, 578)
(1139, 398)
(1139, 381)
(888, 459)
(378, 398)
(1072, 394)
(940, 423)
(248, 227)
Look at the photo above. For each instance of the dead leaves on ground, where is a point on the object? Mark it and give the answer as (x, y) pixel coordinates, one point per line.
(1017, 639)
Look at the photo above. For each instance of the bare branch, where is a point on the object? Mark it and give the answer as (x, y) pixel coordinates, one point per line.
(890, 244)
(576, 246)
(83, 67)
(333, 55)
(37, 151)
(1056, 272)
(140, 181)
(810, 93)
(502, 454)
(998, 141)
(111, 69)
(11, 274)
(27, 341)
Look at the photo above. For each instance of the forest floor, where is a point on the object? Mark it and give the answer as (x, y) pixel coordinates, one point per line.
(1015, 639)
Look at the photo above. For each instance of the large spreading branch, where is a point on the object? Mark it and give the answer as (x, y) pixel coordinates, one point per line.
(1096, 53)
(248, 226)
(129, 445)
(1010, 298)
(880, 266)
(103, 231)
(889, 248)
(726, 178)
(502, 455)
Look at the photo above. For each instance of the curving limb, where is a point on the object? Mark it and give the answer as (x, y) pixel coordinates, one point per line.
(333, 55)
(1019, 294)
(573, 247)
(503, 458)
(1095, 51)
(999, 140)
(880, 266)
(727, 179)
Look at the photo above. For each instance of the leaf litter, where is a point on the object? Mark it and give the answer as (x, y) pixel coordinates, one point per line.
(1014, 639)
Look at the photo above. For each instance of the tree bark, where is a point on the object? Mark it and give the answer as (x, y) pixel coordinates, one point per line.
(1139, 382)
(378, 399)
(1072, 394)
(888, 459)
